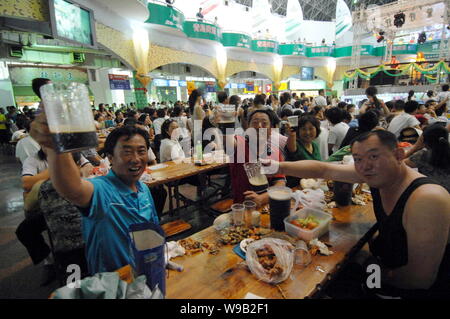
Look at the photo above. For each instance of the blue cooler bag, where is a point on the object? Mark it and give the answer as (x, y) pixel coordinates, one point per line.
(147, 242)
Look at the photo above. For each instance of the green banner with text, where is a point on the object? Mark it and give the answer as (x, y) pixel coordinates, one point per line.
(202, 30)
(265, 46)
(237, 40)
(292, 49)
(165, 16)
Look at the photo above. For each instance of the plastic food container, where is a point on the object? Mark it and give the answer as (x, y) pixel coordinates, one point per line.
(306, 234)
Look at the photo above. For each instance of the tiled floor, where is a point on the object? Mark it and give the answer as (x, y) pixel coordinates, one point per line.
(19, 278)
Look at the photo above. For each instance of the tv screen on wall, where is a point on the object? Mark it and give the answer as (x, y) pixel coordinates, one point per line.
(307, 73)
(72, 22)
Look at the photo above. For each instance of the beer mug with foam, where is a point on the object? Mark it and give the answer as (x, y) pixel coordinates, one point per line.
(69, 116)
(280, 205)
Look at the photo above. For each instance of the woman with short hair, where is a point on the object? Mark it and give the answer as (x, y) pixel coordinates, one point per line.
(301, 144)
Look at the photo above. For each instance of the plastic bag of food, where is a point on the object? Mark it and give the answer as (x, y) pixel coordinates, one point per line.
(270, 259)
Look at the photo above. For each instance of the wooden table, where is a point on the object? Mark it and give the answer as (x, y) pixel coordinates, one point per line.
(170, 175)
(225, 275)
(179, 170)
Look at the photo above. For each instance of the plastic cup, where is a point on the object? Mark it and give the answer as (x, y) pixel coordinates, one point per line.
(302, 255)
(293, 120)
(237, 212)
(250, 207)
(256, 219)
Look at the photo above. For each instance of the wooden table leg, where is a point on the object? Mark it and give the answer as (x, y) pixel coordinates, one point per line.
(169, 188)
(177, 196)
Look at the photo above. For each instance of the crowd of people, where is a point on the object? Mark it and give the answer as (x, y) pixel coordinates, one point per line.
(90, 216)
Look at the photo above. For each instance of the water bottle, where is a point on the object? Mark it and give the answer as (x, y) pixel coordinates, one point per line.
(198, 152)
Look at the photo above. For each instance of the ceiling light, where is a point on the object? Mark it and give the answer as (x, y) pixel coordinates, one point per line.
(399, 19)
(422, 37)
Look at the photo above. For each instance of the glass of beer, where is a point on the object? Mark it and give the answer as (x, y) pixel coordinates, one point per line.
(226, 117)
(279, 205)
(69, 116)
(257, 180)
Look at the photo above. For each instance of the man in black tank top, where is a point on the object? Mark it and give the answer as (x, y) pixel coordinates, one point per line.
(412, 211)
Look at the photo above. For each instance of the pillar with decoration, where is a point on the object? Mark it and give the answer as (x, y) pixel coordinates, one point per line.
(140, 90)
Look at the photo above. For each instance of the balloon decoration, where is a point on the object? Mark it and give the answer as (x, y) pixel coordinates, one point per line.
(442, 66)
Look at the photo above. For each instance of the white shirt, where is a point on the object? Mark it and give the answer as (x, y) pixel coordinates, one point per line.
(337, 134)
(441, 118)
(170, 150)
(401, 121)
(442, 96)
(151, 155)
(320, 100)
(322, 140)
(33, 165)
(26, 147)
(18, 135)
(157, 125)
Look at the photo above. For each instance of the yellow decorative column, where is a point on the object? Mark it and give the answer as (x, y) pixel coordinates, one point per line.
(277, 69)
(221, 60)
(330, 69)
(141, 48)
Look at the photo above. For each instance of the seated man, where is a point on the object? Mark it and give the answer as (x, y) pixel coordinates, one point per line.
(29, 231)
(246, 149)
(413, 214)
(109, 204)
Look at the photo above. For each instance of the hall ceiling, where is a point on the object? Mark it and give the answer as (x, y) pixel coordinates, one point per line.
(317, 10)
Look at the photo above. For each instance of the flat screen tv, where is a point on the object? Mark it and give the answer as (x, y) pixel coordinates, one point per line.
(72, 22)
(307, 73)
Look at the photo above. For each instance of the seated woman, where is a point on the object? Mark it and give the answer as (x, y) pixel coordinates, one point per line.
(247, 149)
(431, 154)
(170, 149)
(301, 144)
(146, 123)
(99, 121)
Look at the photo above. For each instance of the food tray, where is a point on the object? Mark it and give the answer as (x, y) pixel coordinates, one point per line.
(306, 234)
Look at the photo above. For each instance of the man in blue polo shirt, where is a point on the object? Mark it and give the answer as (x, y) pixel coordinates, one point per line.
(110, 204)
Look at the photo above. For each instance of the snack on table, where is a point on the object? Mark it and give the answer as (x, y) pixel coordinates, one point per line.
(212, 248)
(236, 234)
(191, 246)
(268, 260)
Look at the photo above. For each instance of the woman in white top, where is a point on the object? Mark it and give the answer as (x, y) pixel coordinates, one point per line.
(184, 132)
(170, 149)
(99, 121)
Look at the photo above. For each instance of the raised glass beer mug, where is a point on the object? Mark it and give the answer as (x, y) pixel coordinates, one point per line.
(258, 181)
(226, 117)
(69, 116)
(280, 205)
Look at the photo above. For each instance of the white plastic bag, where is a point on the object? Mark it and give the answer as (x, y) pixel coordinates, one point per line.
(312, 198)
(284, 254)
